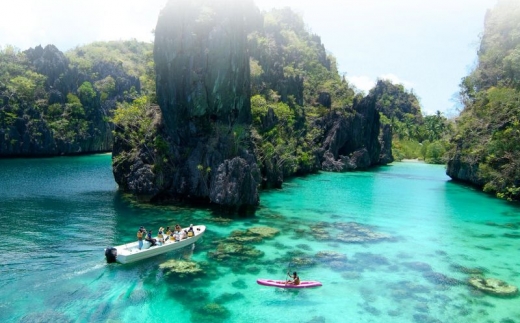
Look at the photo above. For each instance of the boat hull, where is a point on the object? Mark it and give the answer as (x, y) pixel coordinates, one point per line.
(130, 252)
(283, 283)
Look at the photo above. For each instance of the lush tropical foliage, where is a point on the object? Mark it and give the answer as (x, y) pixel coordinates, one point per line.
(488, 132)
(415, 135)
(294, 82)
(54, 103)
(134, 57)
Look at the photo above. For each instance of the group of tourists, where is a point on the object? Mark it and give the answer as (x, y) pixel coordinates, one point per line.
(164, 236)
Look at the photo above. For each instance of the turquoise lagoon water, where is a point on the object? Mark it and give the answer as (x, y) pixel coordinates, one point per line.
(430, 235)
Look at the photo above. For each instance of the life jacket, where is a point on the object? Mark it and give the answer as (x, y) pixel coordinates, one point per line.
(139, 235)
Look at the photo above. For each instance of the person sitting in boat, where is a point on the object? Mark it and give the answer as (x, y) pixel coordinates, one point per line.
(191, 233)
(140, 235)
(167, 234)
(160, 235)
(177, 234)
(149, 238)
(295, 280)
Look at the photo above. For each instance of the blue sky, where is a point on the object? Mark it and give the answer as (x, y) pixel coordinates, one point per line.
(426, 45)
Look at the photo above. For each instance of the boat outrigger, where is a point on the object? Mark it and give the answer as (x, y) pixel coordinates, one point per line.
(130, 252)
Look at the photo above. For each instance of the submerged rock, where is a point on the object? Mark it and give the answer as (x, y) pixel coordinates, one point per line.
(369, 260)
(229, 297)
(236, 251)
(512, 235)
(47, 316)
(211, 312)
(331, 256)
(299, 262)
(418, 266)
(264, 232)
(242, 237)
(220, 220)
(255, 234)
(470, 271)
(349, 232)
(423, 318)
(181, 268)
(441, 279)
(493, 286)
(239, 284)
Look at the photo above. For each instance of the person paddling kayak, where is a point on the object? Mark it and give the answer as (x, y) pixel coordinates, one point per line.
(295, 280)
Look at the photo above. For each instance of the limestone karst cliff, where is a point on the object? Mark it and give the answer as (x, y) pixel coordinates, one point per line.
(52, 106)
(203, 92)
(209, 140)
(484, 149)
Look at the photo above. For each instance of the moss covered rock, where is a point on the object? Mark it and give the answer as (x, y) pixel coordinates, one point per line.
(181, 268)
(493, 286)
(227, 251)
(264, 232)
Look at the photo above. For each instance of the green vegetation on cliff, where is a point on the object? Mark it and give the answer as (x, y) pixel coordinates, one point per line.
(414, 135)
(242, 107)
(486, 146)
(294, 82)
(53, 103)
(136, 59)
(287, 59)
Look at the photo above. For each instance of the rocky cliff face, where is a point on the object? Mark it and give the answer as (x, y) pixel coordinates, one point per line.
(203, 90)
(385, 139)
(33, 132)
(464, 168)
(205, 148)
(352, 141)
(202, 64)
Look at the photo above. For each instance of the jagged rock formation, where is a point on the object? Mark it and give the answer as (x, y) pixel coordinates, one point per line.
(493, 286)
(352, 141)
(395, 102)
(203, 64)
(464, 168)
(485, 149)
(206, 147)
(385, 139)
(203, 90)
(46, 123)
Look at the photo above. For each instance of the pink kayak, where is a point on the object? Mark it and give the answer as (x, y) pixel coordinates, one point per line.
(283, 283)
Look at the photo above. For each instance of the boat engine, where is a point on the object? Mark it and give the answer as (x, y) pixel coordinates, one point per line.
(111, 254)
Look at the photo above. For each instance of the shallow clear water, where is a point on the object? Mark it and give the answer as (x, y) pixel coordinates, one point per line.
(424, 237)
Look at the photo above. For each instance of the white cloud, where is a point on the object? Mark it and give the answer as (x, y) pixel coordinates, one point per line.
(396, 80)
(366, 83)
(362, 82)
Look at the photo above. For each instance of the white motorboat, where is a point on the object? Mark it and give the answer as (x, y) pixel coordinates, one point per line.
(130, 252)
